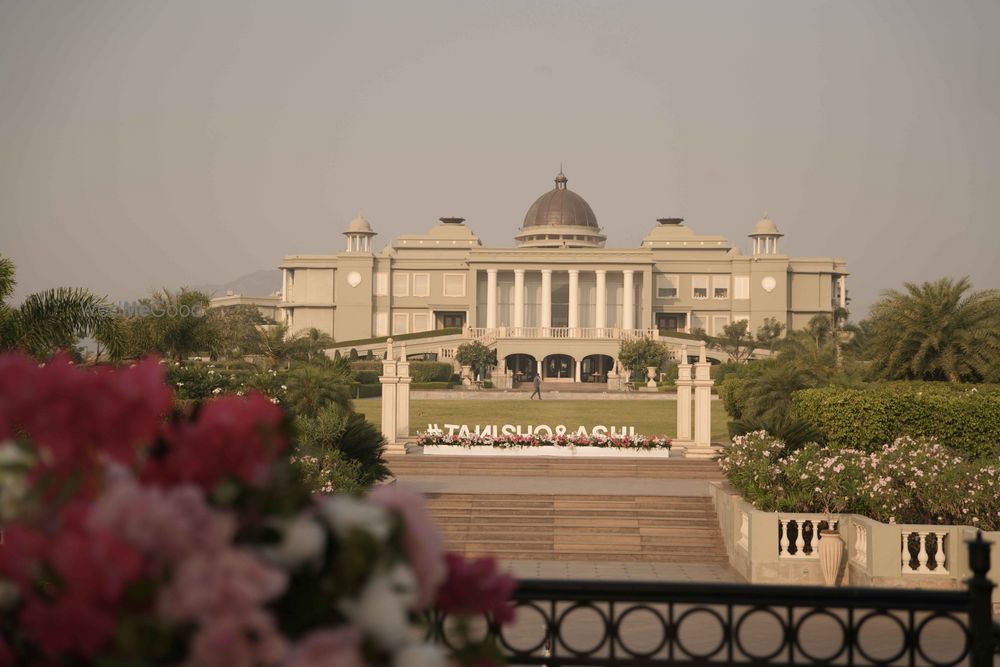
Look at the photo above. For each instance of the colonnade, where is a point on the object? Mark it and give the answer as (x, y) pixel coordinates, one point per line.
(601, 314)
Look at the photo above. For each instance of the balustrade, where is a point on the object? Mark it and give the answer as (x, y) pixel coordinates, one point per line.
(799, 535)
(486, 334)
(923, 550)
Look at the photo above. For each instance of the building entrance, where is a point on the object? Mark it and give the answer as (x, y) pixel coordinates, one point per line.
(671, 321)
(559, 367)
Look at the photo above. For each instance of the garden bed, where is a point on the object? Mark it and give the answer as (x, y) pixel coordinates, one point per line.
(522, 445)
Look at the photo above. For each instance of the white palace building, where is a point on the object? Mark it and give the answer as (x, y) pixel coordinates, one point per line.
(559, 302)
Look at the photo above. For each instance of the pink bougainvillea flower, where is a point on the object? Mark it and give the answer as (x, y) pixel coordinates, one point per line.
(232, 436)
(326, 648)
(248, 638)
(421, 538)
(476, 587)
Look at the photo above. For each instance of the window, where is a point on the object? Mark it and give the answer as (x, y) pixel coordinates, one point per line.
(699, 287)
(421, 322)
(381, 324)
(454, 284)
(719, 323)
(741, 287)
(421, 284)
(720, 287)
(667, 287)
(382, 284)
(400, 323)
(698, 323)
(400, 286)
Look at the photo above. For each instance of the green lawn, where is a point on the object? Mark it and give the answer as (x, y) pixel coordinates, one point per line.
(648, 417)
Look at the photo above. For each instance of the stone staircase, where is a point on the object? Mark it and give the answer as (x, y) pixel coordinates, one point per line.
(580, 527)
(615, 523)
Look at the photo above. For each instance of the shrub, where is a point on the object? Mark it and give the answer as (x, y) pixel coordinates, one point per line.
(430, 371)
(333, 429)
(751, 464)
(330, 472)
(366, 377)
(967, 421)
(733, 393)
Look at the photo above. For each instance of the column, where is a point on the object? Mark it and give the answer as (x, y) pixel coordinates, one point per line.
(546, 303)
(403, 380)
(577, 365)
(842, 281)
(684, 397)
(389, 383)
(702, 448)
(539, 371)
(518, 300)
(601, 316)
(491, 298)
(574, 301)
(628, 301)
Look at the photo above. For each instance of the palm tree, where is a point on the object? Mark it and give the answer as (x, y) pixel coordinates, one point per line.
(935, 331)
(274, 345)
(174, 324)
(311, 388)
(56, 318)
(312, 341)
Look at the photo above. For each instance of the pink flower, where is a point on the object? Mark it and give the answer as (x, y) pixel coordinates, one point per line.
(327, 648)
(232, 437)
(164, 524)
(421, 539)
(243, 639)
(230, 581)
(476, 587)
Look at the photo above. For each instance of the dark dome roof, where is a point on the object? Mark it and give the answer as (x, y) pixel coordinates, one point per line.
(560, 207)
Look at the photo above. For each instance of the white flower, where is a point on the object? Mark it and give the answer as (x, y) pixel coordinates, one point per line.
(211, 372)
(347, 513)
(12, 455)
(382, 608)
(303, 539)
(180, 384)
(217, 390)
(420, 655)
(284, 388)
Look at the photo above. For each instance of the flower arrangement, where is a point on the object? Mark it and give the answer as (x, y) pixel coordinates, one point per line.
(911, 480)
(143, 535)
(567, 440)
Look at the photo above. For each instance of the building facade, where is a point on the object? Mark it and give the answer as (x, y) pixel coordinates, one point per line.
(559, 292)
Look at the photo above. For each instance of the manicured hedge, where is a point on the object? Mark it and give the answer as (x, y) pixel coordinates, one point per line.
(966, 420)
(366, 377)
(732, 392)
(430, 371)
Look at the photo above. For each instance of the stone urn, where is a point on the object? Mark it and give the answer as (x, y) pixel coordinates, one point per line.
(651, 374)
(466, 375)
(831, 553)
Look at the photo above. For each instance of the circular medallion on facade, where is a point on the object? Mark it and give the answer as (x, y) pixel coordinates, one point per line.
(768, 283)
(354, 278)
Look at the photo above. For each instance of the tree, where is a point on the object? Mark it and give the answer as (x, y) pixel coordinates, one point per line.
(273, 344)
(56, 319)
(770, 332)
(174, 324)
(311, 388)
(935, 331)
(477, 355)
(736, 341)
(638, 355)
(238, 328)
(311, 342)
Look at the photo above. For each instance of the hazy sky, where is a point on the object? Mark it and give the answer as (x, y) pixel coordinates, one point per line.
(149, 143)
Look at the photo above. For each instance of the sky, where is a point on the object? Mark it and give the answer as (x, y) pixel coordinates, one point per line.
(147, 144)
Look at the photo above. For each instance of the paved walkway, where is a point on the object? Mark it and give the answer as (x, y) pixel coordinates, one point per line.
(547, 394)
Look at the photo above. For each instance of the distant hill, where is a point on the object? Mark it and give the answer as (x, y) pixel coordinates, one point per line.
(258, 283)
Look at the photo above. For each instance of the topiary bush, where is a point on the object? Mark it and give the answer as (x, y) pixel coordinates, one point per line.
(967, 421)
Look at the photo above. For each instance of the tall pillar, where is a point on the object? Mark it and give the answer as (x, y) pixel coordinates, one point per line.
(539, 364)
(702, 447)
(684, 383)
(577, 366)
(403, 395)
(574, 301)
(601, 315)
(389, 382)
(628, 301)
(842, 280)
(518, 300)
(546, 303)
(491, 298)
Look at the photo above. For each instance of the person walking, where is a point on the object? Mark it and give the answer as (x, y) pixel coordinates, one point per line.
(537, 384)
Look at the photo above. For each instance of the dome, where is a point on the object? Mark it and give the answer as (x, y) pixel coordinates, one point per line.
(765, 227)
(359, 225)
(560, 207)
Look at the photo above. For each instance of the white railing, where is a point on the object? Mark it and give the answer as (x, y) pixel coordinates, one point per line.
(923, 550)
(859, 554)
(487, 335)
(799, 534)
(446, 353)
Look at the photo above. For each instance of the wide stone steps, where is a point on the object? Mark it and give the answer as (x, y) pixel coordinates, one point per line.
(553, 467)
(579, 527)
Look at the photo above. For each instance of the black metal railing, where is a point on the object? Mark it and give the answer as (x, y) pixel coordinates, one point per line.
(623, 623)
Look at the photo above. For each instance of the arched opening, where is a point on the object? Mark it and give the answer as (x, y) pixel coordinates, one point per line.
(595, 367)
(523, 366)
(559, 367)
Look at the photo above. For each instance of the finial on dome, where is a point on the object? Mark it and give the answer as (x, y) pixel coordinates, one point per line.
(561, 179)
